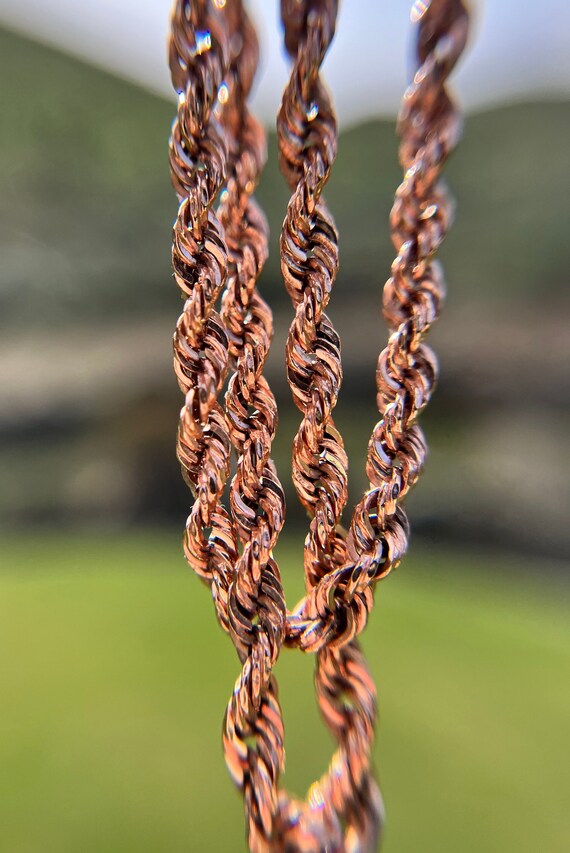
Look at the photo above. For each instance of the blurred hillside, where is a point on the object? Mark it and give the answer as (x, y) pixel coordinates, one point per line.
(88, 403)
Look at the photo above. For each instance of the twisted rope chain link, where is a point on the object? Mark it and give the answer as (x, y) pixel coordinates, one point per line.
(217, 152)
(344, 807)
(429, 125)
(198, 155)
(256, 599)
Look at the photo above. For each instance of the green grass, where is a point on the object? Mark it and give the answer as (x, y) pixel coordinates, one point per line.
(115, 677)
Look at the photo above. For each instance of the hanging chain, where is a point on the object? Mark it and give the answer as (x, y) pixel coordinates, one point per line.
(217, 151)
(253, 728)
(198, 158)
(429, 125)
(344, 807)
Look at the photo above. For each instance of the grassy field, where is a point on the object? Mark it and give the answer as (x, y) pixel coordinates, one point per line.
(115, 678)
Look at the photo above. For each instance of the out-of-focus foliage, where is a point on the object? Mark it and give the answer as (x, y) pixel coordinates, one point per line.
(88, 404)
(86, 203)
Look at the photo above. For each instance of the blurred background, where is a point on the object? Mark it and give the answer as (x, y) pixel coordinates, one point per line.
(116, 674)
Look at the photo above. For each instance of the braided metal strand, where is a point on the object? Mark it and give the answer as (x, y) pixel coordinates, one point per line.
(198, 54)
(429, 127)
(309, 262)
(335, 610)
(253, 728)
(343, 807)
(344, 810)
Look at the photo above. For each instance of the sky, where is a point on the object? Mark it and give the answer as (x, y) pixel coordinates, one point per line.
(519, 48)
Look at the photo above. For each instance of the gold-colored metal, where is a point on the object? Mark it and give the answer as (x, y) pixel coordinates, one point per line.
(253, 728)
(349, 804)
(217, 152)
(216, 144)
(198, 160)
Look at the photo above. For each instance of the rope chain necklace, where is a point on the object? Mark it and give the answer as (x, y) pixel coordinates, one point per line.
(220, 244)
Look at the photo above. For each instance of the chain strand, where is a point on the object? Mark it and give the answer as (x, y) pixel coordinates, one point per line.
(253, 727)
(429, 126)
(349, 805)
(217, 151)
(198, 155)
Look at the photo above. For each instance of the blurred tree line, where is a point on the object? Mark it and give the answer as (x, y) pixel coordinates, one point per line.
(88, 306)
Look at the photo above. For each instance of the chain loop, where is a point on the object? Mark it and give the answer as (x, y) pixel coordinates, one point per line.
(220, 244)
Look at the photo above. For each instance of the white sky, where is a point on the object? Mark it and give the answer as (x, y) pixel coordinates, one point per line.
(519, 48)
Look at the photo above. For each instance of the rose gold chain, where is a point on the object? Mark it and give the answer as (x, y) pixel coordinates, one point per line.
(217, 152)
(344, 807)
(198, 157)
(217, 144)
(256, 599)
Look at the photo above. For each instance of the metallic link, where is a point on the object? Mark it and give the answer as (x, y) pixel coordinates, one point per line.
(198, 155)
(220, 238)
(253, 727)
(349, 804)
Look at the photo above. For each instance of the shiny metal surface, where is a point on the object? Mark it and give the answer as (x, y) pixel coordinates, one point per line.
(217, 152)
